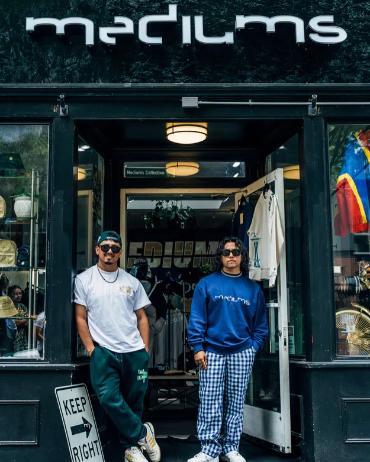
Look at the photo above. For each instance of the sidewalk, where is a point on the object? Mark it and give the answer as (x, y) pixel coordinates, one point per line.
(179, 450)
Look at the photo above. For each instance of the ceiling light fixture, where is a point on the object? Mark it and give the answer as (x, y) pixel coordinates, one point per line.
(186, 132)
(182, 168)
(292, 172)
(236, 164)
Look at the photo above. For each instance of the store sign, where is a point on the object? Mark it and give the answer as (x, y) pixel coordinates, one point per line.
(79, 423)
(145, 172)
(322, 28)
(173, 254)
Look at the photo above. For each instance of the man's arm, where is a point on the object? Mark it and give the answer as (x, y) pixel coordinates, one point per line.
(143, 326)
(83, 328)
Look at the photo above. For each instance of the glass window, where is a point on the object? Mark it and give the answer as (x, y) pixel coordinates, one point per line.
(24, 153)
(90, 198)
(349, 155)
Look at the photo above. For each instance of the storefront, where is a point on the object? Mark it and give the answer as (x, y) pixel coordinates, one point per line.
(281, 92)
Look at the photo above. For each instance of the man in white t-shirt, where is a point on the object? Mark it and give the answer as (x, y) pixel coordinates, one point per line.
(114, 329)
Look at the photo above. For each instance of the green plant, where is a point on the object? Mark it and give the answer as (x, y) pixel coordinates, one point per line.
(168, 214)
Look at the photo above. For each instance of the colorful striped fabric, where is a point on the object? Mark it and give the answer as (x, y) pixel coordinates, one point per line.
(353, 186)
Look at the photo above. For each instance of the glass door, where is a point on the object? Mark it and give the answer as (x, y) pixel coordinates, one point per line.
(267, 406)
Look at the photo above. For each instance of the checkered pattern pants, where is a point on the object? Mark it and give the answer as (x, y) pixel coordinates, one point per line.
(222, 389)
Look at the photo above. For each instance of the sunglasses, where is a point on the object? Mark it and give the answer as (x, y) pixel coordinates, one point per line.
(234, 252)
(106, 247)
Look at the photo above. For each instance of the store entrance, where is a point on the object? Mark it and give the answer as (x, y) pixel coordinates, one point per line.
(172, 224)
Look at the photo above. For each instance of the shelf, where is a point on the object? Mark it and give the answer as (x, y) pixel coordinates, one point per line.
(15, 221)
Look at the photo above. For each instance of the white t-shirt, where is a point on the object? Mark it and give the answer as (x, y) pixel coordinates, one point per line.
(111, 307)
(266, 239)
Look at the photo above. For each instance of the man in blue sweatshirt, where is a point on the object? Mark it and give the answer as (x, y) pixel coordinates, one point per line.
(227, 326)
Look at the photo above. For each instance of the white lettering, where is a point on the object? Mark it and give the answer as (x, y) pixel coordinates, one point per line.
(324, 30)
(270, 23)
(106, 32)
(339, 36)
(228, 37)
(186, 30)
(143, 25)
(60, 25)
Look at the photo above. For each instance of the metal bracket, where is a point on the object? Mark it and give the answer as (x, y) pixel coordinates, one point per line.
(63, 107)
(312, 108)
(190, 102)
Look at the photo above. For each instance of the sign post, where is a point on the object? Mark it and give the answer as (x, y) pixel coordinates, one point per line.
(79, 423)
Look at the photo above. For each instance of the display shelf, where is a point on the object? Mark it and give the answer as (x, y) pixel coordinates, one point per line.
(13, 269)
(16, 221)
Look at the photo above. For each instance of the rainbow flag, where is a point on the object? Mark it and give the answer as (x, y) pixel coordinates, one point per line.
(353, 186)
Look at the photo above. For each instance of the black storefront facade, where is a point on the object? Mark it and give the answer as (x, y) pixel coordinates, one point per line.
(281, 70)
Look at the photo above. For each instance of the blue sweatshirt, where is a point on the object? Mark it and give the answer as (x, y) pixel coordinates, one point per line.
(228, 315)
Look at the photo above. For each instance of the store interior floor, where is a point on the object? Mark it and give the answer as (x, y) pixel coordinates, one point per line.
(176, 436)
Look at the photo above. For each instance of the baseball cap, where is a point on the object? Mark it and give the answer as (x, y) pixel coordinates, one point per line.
(109, 236)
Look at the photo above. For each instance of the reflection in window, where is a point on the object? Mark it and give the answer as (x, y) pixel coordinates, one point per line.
(349, 152)
(89, 176)
(23, 216)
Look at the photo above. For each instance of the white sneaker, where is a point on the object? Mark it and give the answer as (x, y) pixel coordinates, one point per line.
(202, 457)
(149, 444)
(235, 456)
(134, 454)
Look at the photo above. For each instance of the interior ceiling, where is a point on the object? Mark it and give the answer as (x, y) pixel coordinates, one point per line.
(108, 136)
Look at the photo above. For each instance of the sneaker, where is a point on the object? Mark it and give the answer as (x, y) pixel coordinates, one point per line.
(202, 457)
(234, 456)
(149, 444)
(134, 454)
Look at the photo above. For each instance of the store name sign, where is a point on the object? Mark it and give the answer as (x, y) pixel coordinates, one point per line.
(322, 28)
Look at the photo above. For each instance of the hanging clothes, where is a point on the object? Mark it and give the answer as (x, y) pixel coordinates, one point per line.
(242, 220)
(266, 239)
(353, 186)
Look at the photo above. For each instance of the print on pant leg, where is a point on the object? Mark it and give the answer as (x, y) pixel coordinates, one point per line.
(211, 391)
(238, 371)
(134, 377)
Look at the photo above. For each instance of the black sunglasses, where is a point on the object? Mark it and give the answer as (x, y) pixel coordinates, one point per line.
(106, 247)
(234, 252)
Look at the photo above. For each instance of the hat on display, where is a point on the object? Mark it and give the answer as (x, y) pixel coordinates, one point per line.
(109, 236)
(7, 307)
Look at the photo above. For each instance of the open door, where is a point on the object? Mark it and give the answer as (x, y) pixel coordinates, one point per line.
(267, 406)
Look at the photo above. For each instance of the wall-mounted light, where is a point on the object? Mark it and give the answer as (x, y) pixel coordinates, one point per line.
(186, 132)
(292, 172)
(81, 173)
(182, 168)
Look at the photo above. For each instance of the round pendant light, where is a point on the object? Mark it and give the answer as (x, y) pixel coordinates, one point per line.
(182, 168)
(186, 132)
(292, 172)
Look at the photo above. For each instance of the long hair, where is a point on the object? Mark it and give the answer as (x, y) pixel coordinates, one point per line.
(240, 245)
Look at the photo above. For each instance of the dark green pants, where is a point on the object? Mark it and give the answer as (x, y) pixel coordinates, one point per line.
(120, 381)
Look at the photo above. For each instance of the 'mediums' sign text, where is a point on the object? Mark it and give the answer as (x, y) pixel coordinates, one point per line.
(321, 29)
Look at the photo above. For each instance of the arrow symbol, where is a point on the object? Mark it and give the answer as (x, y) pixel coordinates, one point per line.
(84, 427)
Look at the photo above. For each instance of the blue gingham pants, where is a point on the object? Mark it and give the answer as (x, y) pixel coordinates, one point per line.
(222, 389)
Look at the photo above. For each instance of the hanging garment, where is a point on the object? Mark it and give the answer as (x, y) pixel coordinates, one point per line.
(266, 239)
(353, 186)
(242, 220)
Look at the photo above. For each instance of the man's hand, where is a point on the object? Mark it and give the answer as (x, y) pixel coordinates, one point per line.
(90, 351)
(200, 359)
